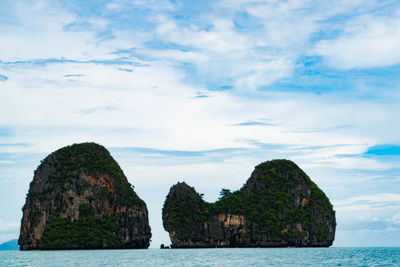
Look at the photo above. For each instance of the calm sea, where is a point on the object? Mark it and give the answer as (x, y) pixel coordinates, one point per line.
(207, 257)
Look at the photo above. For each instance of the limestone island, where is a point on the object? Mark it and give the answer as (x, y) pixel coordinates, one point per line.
(278, 206)
(80, 199)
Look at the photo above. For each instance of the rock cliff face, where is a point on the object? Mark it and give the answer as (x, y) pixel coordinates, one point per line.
(80, 199)
(278, 206)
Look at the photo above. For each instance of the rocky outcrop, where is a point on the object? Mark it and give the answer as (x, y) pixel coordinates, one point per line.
(80, 199)
(278, 206)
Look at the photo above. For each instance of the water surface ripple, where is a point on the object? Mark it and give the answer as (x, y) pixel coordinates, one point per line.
(207, 257)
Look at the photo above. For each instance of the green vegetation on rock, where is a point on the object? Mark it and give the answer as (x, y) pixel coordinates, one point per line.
(68, 162)
(186, 209)
(92, 232)
(85, 211)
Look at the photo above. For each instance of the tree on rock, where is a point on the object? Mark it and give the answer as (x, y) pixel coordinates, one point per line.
(224, 193)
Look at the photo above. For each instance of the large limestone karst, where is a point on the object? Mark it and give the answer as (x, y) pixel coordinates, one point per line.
(278, 206)
(80, 199)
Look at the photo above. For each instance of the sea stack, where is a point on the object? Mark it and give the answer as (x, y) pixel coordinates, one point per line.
(80, 199)
(278, 206)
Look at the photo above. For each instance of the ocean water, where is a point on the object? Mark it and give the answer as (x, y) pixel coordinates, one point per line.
(207, 257)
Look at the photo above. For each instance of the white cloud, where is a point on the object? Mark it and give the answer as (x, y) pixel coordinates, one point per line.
(8, 226)
(367, 238)
(368, 42)
(227, 53)
(41, 31)
(8, 230)
(6, 162)
(162, 112)
(393, 199)
(39, 34)
(363, 217)
(285, 31)
(222, 38)
(396, 219)
(176, 55)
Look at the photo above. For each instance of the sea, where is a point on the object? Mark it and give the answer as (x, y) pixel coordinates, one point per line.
(333, 256)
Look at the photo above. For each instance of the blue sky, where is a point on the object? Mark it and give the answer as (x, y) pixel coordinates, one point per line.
(203, 92)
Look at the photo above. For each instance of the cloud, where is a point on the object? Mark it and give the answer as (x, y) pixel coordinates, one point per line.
(124, 69)
(378, 199)
(396, 219)
(220, 44)
(221, 37)
(367, 238)
(44, 20)
(8, 230)
(2, 162)
(368, 41)
(6, 227)
(98, 108)
(326, 129)
(375, 215)
(43, 62)
(224, 52)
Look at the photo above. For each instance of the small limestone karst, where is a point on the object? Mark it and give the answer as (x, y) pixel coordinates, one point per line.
(278, 206)
(80, 199)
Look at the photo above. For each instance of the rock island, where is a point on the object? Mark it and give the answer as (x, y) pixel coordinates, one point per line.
(80, 199)
(278, 206)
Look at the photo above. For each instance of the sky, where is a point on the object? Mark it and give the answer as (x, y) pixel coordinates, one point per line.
(202, 92)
